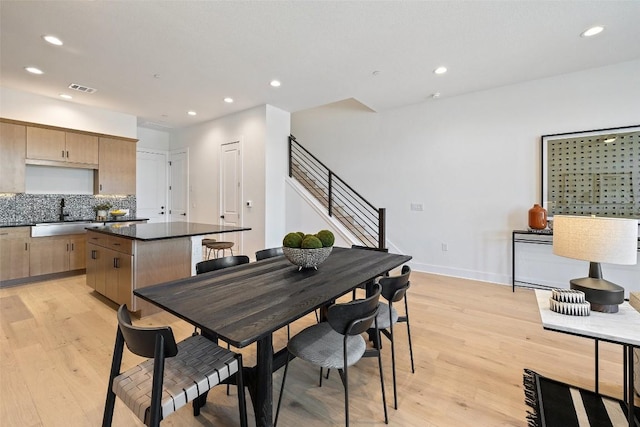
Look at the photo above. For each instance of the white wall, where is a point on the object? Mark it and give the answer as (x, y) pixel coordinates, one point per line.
(276, 169)
(473, 161)
(259, 130)
(28, 107)
(153, 139)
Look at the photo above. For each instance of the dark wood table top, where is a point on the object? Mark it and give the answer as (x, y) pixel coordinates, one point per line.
(245, 303)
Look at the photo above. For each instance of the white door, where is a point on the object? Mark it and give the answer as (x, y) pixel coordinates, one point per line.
(231, 192)
(179, 186)
(152, 185)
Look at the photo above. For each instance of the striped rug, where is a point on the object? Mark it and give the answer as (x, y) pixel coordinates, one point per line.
(556, 404)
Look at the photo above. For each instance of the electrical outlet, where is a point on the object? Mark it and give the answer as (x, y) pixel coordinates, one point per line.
(445, 247)
(417, 207)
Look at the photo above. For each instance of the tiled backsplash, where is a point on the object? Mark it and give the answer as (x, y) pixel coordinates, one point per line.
(31, 208)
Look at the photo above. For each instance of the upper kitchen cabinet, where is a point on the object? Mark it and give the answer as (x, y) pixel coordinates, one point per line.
(116, 172)
(81, 148)
(12, 153)
(54, 147)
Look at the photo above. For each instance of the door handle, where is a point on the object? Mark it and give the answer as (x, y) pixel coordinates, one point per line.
(161, 213)
(94, 254)
(116, 263)
(222, 216)
(183, 214)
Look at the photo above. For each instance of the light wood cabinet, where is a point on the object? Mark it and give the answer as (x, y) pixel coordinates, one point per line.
(45, 144)
(81, 148)
(14, 253)
(57, 254)
(110, 267)
(13, 140)
(77, 249)
(116, 266)
(61, 148)
(116, 172)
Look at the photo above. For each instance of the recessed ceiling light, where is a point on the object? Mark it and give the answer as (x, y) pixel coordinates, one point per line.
(275, 83)
(440, 70)
(592, 31)
(34, 70)
(53, 40)
(228, 100)
(435, 95)
(191, 113)
(65, 96)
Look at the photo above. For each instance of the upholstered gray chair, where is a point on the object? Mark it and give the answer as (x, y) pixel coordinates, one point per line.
(337, 344)
(176, 374)
(394, 289)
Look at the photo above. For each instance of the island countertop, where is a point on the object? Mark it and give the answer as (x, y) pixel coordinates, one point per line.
(165, 230)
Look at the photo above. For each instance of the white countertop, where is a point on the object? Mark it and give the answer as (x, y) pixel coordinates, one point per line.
(622, 327)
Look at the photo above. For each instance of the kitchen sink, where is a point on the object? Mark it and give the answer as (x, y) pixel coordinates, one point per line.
(45, 229)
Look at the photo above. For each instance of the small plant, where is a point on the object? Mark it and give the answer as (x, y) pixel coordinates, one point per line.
(292, 240)
(326, 237)
(102, 207)
(323, 239)
(311, 242)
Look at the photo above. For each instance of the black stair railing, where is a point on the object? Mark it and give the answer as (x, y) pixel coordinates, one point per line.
(365, 221)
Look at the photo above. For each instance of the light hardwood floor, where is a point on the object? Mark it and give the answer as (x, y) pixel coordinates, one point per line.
(471, 343)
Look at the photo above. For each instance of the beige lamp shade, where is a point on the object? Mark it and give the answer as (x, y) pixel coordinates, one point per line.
(596, 239)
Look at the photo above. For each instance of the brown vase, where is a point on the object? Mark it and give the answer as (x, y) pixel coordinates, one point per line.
(537, 217)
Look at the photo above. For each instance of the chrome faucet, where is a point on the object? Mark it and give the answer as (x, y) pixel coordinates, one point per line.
(62, 214)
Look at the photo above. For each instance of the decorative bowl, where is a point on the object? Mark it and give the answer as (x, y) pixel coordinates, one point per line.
(118, 213)
(307, 258)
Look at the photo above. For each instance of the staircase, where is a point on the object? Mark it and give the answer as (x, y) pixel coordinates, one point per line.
(343, 203)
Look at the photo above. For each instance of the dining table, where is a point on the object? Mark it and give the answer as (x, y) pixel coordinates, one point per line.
(246, 304)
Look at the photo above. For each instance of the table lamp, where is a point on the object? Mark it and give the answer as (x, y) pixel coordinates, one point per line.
(597, 239)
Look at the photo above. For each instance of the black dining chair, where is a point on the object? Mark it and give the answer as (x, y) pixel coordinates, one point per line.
(174, 375)
(220, 263)
(394, 289)
(337, 343)
(366, 248)
(272, 253)
(268, 253)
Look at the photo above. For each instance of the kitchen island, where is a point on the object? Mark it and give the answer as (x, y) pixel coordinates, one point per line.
(121, 258)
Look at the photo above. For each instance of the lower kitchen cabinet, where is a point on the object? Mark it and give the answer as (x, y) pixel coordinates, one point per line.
(56, 254)
(117, 265)
(110, 271)
(14, 247)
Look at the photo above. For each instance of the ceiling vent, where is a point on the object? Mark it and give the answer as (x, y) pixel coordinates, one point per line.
(81, 88)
